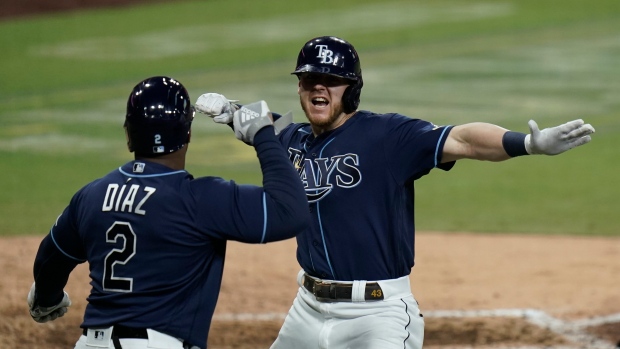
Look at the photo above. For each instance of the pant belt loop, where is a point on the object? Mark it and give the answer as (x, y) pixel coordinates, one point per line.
(359, 290)
(300, 277)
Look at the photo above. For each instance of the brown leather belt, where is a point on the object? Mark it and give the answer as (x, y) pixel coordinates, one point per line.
(338, 292)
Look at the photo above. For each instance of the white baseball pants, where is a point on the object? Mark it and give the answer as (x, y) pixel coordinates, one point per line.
(392, 323)
(101, 339)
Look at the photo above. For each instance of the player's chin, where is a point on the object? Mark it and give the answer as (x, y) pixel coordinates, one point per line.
(320, 120)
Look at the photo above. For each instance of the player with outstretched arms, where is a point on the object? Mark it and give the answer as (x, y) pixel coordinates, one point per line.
(358, 169)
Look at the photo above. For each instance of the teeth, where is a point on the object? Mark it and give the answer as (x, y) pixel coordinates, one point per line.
(320, 100)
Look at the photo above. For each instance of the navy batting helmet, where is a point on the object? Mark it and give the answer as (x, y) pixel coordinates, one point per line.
(159, 117)
(333, 56)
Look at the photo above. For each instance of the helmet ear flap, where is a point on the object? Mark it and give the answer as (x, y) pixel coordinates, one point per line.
(351, 96)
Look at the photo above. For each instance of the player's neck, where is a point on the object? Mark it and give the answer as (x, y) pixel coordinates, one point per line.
(320, 129)
(175, 161)
(175, 165)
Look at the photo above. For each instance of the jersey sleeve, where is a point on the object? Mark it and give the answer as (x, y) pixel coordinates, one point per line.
(278, 210)
(414, 147)
(65, 236)
(58, 254)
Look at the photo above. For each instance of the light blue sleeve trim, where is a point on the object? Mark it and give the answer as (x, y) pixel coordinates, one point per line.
(439, 142)
(329, 263)
(60, 249)
(264, 218)
(318, 212)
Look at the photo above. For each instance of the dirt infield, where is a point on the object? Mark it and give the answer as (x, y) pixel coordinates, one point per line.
(476, 291)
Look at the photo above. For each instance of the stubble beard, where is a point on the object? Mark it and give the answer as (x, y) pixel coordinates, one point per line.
(324, 123)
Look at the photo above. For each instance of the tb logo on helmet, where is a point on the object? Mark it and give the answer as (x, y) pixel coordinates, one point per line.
(326, 55)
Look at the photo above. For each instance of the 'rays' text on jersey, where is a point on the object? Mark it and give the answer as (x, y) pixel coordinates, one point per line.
(123, 198)
(319, 175)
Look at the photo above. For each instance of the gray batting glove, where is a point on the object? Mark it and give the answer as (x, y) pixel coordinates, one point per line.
(248, 120)
(216, 106)
(282, 122)
(45, 314)
(556, 140)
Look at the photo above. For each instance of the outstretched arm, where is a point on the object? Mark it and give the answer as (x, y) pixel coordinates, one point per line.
(222, 110)
(278, 210)
(479, 141)
(483, 141)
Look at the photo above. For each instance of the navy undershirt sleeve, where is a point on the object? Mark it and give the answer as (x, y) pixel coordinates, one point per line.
(285, 199)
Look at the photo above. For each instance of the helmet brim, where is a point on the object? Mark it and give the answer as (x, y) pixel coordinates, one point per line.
(325, 69)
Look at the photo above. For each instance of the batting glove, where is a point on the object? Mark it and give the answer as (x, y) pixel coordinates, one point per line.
(556, 140)
(216, 106)
(45, 314)
(282, 122)
(251, 118)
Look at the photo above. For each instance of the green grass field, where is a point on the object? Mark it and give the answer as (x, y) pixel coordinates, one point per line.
(65, 79)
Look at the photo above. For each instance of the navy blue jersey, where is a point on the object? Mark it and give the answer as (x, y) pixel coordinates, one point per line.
(359, 184)
(155, 240)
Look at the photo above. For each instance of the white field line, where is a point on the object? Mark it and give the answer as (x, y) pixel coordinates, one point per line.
(571, 330)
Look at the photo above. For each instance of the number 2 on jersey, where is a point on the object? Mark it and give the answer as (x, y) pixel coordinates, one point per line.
(119, 257)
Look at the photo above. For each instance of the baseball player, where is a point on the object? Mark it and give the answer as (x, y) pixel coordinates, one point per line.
(154, 236)
(358, 169)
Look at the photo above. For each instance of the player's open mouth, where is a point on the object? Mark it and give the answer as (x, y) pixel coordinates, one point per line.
(320, 101)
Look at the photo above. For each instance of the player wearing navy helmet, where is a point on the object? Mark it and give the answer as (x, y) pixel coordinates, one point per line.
(333, 56)
(358, 169)
(154, 236)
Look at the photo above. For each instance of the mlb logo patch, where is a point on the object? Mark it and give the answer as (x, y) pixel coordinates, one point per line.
(158, 149)
(138, 167)
(98, 337)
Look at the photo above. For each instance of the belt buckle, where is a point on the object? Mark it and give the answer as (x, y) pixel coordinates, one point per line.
(315, 289)
(308, 279)
(318, 293)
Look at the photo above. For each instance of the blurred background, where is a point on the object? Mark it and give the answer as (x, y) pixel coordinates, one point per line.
(65, 76)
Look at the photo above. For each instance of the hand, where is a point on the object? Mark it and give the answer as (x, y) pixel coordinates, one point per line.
(556, 140)
(248, 120)
(217, 107)
(45, 314)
